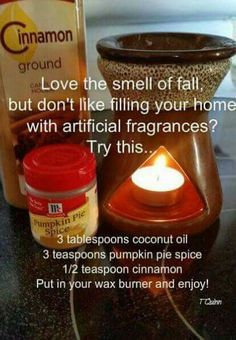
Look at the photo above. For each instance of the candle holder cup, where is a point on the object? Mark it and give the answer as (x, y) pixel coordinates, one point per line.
(163, 56)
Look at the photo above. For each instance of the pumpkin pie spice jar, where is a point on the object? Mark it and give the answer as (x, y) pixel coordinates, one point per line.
(62, 194)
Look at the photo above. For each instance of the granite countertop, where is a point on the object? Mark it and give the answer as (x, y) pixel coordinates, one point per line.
(30, 313)
(25, 311)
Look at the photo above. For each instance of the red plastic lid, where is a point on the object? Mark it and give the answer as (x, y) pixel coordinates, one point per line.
(59, 167)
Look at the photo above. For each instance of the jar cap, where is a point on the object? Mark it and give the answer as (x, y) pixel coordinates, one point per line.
(59, 167)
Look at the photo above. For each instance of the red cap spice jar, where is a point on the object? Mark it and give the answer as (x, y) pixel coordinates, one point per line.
(62, 194)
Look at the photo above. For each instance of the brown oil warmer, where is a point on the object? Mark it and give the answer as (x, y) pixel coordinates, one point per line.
(183, 195)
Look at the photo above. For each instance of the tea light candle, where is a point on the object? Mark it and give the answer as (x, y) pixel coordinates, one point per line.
(158, 185)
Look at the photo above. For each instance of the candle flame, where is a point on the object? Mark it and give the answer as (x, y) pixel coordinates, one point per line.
(160, 165)
(160, 162)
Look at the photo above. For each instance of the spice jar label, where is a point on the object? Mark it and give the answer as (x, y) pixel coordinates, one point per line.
(38, 41)
(74, 223)
(54, 218)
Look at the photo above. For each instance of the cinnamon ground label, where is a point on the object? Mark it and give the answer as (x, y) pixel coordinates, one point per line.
(38, 40)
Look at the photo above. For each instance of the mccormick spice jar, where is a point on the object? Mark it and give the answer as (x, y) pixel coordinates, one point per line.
(62, 194)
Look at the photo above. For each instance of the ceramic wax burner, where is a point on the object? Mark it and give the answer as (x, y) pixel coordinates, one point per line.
(173, 186)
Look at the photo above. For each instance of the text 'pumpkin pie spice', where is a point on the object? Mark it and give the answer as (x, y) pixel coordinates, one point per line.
(62, 194)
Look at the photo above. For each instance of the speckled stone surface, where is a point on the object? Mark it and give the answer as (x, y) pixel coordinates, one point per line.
(209, 74)
(25, 311)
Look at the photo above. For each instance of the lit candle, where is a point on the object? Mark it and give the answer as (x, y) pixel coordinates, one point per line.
(158, 185)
